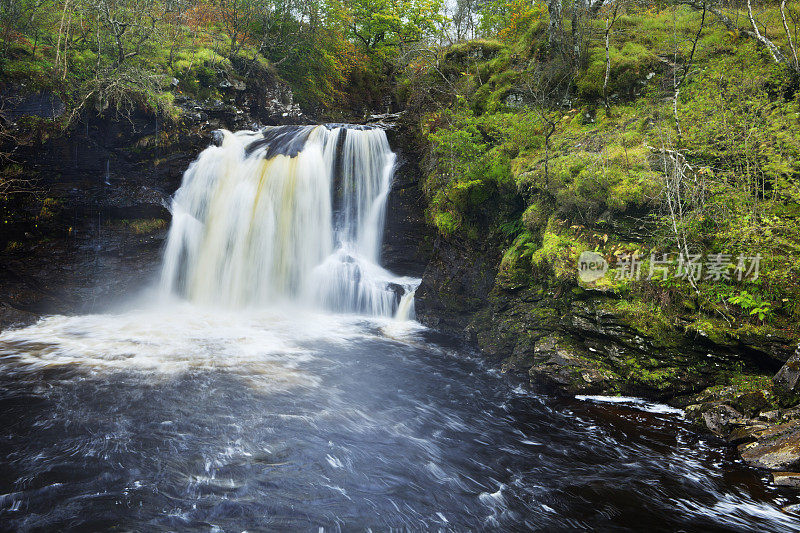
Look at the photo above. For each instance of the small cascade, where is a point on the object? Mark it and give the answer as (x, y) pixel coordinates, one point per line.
(405, 309)
(291, 213)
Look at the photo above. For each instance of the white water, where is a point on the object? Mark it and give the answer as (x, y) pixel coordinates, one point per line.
(296, 217)
(260, 251)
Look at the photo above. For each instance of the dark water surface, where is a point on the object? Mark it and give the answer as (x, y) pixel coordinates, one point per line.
(177, 422)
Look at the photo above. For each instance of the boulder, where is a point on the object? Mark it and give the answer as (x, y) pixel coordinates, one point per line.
(217, 137)
(776, 448)
(786, 479)
(787, 380)
(744, 434)
(722, 419)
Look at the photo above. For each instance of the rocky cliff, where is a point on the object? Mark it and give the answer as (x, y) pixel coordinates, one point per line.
(566, 339)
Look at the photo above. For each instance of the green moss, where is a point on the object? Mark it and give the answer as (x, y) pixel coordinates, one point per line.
(545, 312)
(446, 223)
(536, 216)
(650, 320)
(558, 253)
(659, 378)
(714, 329)
(751, 383)
(475, 49)
(144, 226)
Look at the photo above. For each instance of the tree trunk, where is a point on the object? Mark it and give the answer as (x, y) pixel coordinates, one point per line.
(609, 22)
(773, 50)
(789, 36)
(554, 25)
(576, 47)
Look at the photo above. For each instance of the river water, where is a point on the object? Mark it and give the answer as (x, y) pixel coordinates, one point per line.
(199, 420)
(275, 381)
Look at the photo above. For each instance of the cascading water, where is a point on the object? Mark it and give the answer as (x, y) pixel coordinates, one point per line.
(289, 213)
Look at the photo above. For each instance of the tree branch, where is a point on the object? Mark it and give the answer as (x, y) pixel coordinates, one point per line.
(773, 50)
(789, 35)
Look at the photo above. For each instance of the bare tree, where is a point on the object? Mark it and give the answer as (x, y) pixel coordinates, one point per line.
(754, 33)
(679, 79)
(683, 192)
(463, 19)
(789, 37)
(611, 18)
(774, 51)
(131, 24)
(554, 24)
(548, 84)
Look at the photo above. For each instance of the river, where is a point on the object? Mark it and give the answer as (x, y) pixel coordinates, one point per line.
(274, 379)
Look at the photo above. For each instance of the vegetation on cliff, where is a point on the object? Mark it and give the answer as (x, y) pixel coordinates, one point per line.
(637, 130)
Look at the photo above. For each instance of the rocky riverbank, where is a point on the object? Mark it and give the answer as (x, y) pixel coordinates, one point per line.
(566, 339)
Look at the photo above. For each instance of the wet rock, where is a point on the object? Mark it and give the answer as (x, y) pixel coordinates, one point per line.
(521, 359)
(751, 403)
(790, 414)
(558, 363)
(792, 509)
(13, 318)
(741, 435)
(694, 413)
(455, 287)
(787, 479)
(780, 415)
(787, 380)
(777, 448)
(771, 350)
(748, 397)
(236, 85)
(384, 119)
(397, 289)
(217, 137)
(722, 419)
(42, 104)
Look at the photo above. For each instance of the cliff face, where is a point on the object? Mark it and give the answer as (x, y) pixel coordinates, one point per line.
(566, 340)
(574, 340)
(407, 238)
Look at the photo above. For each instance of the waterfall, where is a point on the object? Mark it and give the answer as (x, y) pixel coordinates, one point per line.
(290, 213)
